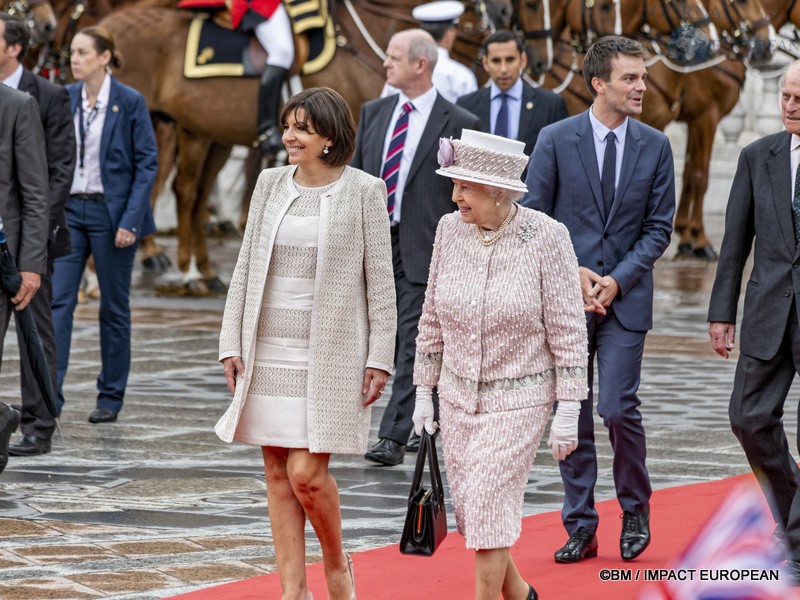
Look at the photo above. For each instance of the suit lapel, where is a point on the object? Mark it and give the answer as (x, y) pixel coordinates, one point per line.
(27, 84)
(440, 113)
(112, 115)
(526, 110)
(630, 156)
(588, 157)
(373, 161)
(780, 173)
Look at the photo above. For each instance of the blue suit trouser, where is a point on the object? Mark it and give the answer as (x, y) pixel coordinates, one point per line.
(619, 363)
(92, 233)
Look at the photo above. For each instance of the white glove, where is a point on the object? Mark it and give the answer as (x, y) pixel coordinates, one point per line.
(423, 411)
(564, 429)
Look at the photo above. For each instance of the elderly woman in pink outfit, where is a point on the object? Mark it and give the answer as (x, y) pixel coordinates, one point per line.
(503, 336)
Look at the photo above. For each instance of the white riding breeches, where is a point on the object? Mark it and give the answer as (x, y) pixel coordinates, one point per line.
(275, 35)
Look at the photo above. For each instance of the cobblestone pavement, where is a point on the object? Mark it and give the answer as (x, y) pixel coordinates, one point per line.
(155, 504)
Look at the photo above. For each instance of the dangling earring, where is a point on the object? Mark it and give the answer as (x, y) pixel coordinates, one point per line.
(326, 149)
(497, 203)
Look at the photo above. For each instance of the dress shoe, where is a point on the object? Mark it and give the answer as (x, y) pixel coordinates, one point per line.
(102, 415)
(9, 421)
(532, 595)
(413, 443)
(580, 545)
(29, 445)
(386, 452)
(635, 536)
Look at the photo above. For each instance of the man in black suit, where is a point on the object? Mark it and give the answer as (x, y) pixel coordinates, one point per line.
(763, 216)
(407, 126)
(510, 107)
(54, 111)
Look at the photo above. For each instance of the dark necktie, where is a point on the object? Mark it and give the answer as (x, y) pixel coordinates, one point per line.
(609, 172)
(796, 205)
(501, 124)
(391, 165)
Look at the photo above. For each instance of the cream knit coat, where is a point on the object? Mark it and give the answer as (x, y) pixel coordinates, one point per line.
(354, 317)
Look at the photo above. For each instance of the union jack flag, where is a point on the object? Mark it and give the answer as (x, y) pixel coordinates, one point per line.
(732, 558)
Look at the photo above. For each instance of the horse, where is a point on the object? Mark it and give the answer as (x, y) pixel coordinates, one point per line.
(201, 109)
(699, 97)
(37, 14)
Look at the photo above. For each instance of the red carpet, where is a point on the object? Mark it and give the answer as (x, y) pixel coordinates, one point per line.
(678, 514)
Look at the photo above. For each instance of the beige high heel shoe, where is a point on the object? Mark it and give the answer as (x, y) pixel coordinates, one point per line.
(352, 577)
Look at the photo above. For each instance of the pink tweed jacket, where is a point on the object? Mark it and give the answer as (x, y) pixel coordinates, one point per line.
(503, 326)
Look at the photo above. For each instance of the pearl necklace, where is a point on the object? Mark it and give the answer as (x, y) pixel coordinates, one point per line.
(498, 234)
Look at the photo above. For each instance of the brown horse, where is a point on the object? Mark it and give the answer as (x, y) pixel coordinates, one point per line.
(213, 114)
(37, 14)
(700, 98)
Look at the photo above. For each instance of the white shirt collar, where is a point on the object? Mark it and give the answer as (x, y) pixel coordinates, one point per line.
(515, 91)
(423, 104)
(13, 80)
(601, 131)
(102, 96)
(795, 143)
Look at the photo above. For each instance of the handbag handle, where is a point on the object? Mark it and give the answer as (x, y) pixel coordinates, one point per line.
(427, 448)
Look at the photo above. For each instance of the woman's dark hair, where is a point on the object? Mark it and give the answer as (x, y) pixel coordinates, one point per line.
(330, 117)
(103, 40)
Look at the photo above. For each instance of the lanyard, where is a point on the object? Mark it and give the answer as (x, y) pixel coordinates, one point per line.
(82, 129)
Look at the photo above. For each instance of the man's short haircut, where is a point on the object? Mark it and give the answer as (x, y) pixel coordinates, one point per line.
(421, 45)
(600, 55)
(501, 36)
(16, 33)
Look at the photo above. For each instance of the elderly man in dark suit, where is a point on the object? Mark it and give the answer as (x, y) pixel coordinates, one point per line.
(510, 107)
(764, 213)
(398, 139)
(609, 179)
(37, 423)
(24, 210)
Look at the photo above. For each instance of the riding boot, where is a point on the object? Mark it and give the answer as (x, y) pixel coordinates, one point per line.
(269, 103)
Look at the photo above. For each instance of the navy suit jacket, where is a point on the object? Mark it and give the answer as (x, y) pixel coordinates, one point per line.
(426, 196)
(564, 182)
(128, 158)
(539, 108)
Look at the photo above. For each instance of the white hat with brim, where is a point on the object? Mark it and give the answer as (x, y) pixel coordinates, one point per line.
(443, 11)
(484, 158)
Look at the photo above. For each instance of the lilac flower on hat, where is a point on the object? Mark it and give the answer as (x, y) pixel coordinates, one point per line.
(447, 152)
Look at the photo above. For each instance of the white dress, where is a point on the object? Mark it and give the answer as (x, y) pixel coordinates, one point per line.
(275, 411)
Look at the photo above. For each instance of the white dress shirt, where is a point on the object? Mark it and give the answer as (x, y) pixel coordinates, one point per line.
(13, 80)
(87, 180)
(514, 102)
(600, 133)
(417, 120)
(794, 157)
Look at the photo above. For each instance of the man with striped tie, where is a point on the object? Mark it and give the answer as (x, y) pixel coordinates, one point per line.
(398, 140)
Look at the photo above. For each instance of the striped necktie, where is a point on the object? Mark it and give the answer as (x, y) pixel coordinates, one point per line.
(391, 166)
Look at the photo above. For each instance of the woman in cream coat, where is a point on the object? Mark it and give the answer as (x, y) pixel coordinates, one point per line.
(307, 338)
(503, 336)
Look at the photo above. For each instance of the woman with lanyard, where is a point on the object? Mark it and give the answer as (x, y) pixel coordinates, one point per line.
(108, 210)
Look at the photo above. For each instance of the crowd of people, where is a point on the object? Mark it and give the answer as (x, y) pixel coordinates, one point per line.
(491, 255)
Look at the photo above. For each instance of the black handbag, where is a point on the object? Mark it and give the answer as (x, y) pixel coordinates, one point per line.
(426, 521)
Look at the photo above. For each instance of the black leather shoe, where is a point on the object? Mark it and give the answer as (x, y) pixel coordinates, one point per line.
(29, 445)
(635, 536)
(102, 415)
(532, 595)
(386, 452)
(413, 443)
(9, 421)
(580, 545)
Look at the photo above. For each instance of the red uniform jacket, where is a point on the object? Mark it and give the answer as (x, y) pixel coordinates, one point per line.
(247, 14)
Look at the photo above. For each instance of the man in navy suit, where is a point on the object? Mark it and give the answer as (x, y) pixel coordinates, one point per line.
(420, 199)
(527, 109)
(609, 179)
(37, 423)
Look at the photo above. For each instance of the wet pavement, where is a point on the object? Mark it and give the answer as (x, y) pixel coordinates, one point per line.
(154, 504)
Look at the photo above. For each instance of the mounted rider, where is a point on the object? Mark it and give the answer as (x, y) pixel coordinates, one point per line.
(269, 22)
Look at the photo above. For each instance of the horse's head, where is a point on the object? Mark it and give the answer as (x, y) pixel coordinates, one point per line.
(37, 14)
(494, 14)
(540, 22)
(745, 27)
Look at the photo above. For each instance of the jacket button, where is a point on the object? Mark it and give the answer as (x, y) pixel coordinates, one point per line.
(605, 236)
(786, 294)
(794, 266)
(599, 263)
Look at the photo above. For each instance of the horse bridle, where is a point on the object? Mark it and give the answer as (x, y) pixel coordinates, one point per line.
(54, 57)
(23, 10)
(743, 28)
